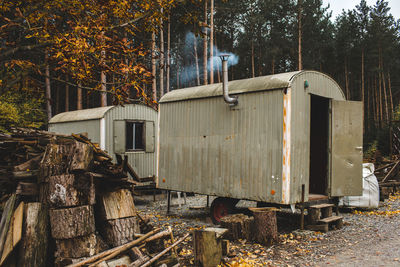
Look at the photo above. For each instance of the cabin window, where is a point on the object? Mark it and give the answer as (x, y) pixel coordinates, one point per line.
(135, 136)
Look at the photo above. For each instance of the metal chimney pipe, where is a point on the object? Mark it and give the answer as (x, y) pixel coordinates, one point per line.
(231, 100)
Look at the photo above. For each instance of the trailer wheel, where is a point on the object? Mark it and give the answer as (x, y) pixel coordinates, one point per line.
(221, 207)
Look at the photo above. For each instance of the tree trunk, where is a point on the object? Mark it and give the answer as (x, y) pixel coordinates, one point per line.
(346, 77)
(391, 97)
(253, 72)
(168, 53)
(386, 98)
(362, 76)
(266, 230)
(66, 94)
(162, 61)
(218, 65)
(48, 89)
(153, 65)
(273, 66)
(177, 78)
(205, 72)
(196, 59)
(103, 100)
(34, 243)
(300, 33)
(79, 96)
(72, 222)
(211, 41)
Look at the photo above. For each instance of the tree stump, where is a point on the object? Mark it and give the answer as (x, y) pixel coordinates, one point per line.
(207, 248)
(265, 225)
(33, 247)
(239, 226)
(72, 222)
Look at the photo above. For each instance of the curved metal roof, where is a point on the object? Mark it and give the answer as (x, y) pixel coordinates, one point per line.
(262, 83)
(81, 115)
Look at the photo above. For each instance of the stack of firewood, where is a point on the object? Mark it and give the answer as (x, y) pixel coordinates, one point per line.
(64, 190)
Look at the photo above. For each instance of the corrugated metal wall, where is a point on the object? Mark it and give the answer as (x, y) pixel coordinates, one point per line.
(92, 127)
(144, 163)
(321, 85)
(208, 148)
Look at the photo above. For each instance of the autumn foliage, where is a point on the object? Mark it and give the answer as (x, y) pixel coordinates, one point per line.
(82, 38)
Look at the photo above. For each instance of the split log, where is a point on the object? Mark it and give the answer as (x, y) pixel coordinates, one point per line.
(72, 222)
(68, 190)
(33, 249)
(83, 246)
(266, 229)
(67, 156)
(207, 248)
(119, 231)
(239, 226)
(116, 205)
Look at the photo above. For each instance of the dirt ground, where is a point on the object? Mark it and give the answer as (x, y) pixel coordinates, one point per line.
(368, 238)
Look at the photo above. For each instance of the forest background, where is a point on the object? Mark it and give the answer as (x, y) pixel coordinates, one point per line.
(64, 55)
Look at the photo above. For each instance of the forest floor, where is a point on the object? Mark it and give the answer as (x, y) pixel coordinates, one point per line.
(368, 238)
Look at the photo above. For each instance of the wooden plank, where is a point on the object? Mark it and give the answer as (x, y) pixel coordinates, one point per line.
(14, 232)
(17, 223)
(320, 206)
(330, 219)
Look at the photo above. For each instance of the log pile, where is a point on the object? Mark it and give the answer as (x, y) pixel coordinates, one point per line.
(66, 202)
(388, 175)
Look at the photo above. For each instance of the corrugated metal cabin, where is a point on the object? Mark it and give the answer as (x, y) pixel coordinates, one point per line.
(125, 130)
(287, 130)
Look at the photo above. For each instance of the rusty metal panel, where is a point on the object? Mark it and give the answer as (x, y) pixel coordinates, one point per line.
(318, 84)
(143, 162)
(207, 147)
(347, 136)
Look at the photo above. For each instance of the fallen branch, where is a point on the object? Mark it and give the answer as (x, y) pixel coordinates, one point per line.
(391, 171)
(152, 260)
(114, 251)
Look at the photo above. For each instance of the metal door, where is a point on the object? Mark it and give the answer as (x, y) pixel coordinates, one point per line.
(347, 136)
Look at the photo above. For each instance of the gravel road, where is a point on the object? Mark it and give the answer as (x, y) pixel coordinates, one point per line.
(368, 238)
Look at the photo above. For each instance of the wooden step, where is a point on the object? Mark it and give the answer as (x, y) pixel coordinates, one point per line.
(321, 206)
(330, 219)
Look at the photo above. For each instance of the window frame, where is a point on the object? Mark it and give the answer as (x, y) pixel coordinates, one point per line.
(143, 122)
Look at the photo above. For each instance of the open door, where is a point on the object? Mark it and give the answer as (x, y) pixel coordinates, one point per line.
(347, 140)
